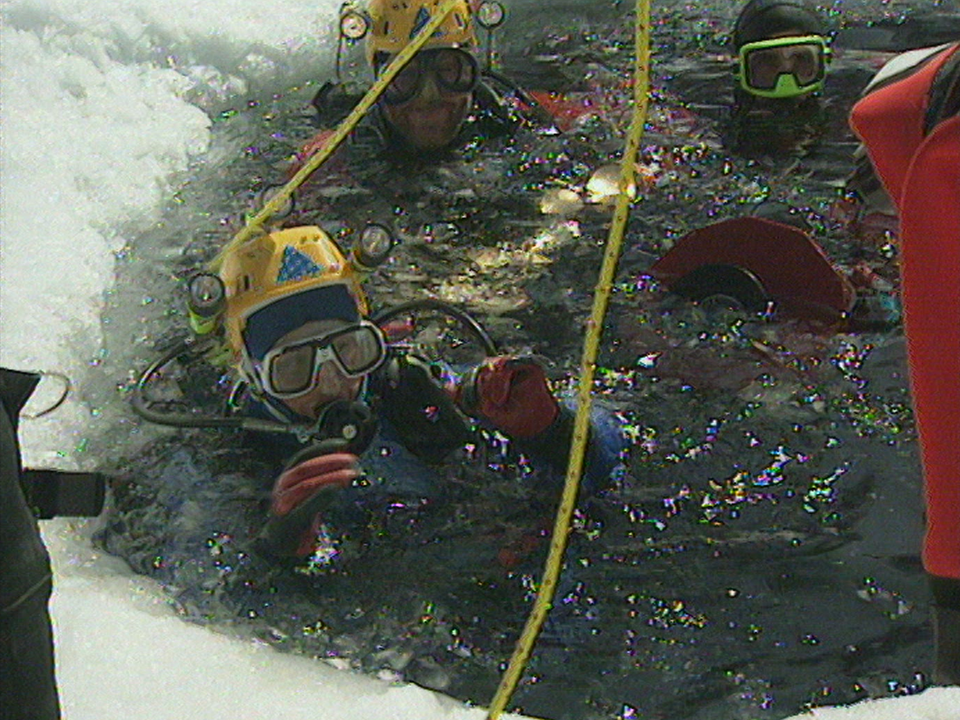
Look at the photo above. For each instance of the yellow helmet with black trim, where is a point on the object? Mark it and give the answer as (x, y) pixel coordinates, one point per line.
(282, 280)
(395, 22)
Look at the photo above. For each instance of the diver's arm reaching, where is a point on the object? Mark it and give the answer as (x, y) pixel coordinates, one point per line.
(513, 396)
(299, 482)
(300, 494)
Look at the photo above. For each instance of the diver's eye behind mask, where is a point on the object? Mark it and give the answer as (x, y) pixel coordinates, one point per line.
(454, 70)
(291, 370)
(784, 67)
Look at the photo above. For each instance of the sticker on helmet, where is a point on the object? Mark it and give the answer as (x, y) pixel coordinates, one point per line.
(423, 17)
(296, 266)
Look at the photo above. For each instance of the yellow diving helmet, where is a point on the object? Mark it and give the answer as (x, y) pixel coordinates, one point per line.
(278, 282)
(395, 22)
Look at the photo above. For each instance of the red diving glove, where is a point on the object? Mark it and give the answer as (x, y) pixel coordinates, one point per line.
(299, 495)
(302, 481)
(510, 393)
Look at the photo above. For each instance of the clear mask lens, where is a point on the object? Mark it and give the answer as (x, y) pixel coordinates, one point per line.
(784, 67)
(292, 370)
(453, 70)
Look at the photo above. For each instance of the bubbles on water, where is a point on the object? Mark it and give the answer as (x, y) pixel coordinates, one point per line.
(890, 602)
(665, 614)
(324, 558)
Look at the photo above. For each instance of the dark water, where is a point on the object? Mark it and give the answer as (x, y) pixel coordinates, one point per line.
(758, 556)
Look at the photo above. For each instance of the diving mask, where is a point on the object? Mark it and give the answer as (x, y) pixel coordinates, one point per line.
(783, 67)
(291, 370)
(454, 70)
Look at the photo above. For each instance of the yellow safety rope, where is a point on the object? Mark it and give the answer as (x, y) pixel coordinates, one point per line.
(255, 224)
(561, 528)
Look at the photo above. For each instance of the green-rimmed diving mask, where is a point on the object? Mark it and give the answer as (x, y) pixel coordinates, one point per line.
(783, 67)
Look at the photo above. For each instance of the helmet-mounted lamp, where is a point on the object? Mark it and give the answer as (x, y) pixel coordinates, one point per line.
(490, 15)
(206, 300)
(354, 24)
(372, 247)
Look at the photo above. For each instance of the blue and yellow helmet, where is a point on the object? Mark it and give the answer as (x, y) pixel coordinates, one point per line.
(393, 23)
(280, 281)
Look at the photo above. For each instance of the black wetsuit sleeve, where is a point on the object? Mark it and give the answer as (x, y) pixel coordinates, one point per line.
(27, 680)
(430, 424)
(605, 445)
(552, 445)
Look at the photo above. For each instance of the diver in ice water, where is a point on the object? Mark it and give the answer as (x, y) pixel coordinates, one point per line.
(298, 323)
(441, 100)
(781, 64)
(443, 112)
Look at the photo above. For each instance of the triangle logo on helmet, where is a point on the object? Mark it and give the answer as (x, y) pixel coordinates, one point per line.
(296, 266)
(423, 17)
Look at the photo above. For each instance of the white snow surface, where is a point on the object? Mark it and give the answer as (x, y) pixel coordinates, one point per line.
(102, 102)
(121, 647)
(123, 653)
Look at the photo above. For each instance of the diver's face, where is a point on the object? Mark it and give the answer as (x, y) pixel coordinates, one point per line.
(329, 383)
(780, 71)
(802, 62)
(429, 99)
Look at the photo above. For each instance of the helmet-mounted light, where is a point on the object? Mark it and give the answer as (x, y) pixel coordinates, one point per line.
(206, 300)
(354, 24)
(490, 15)
(372, 247)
